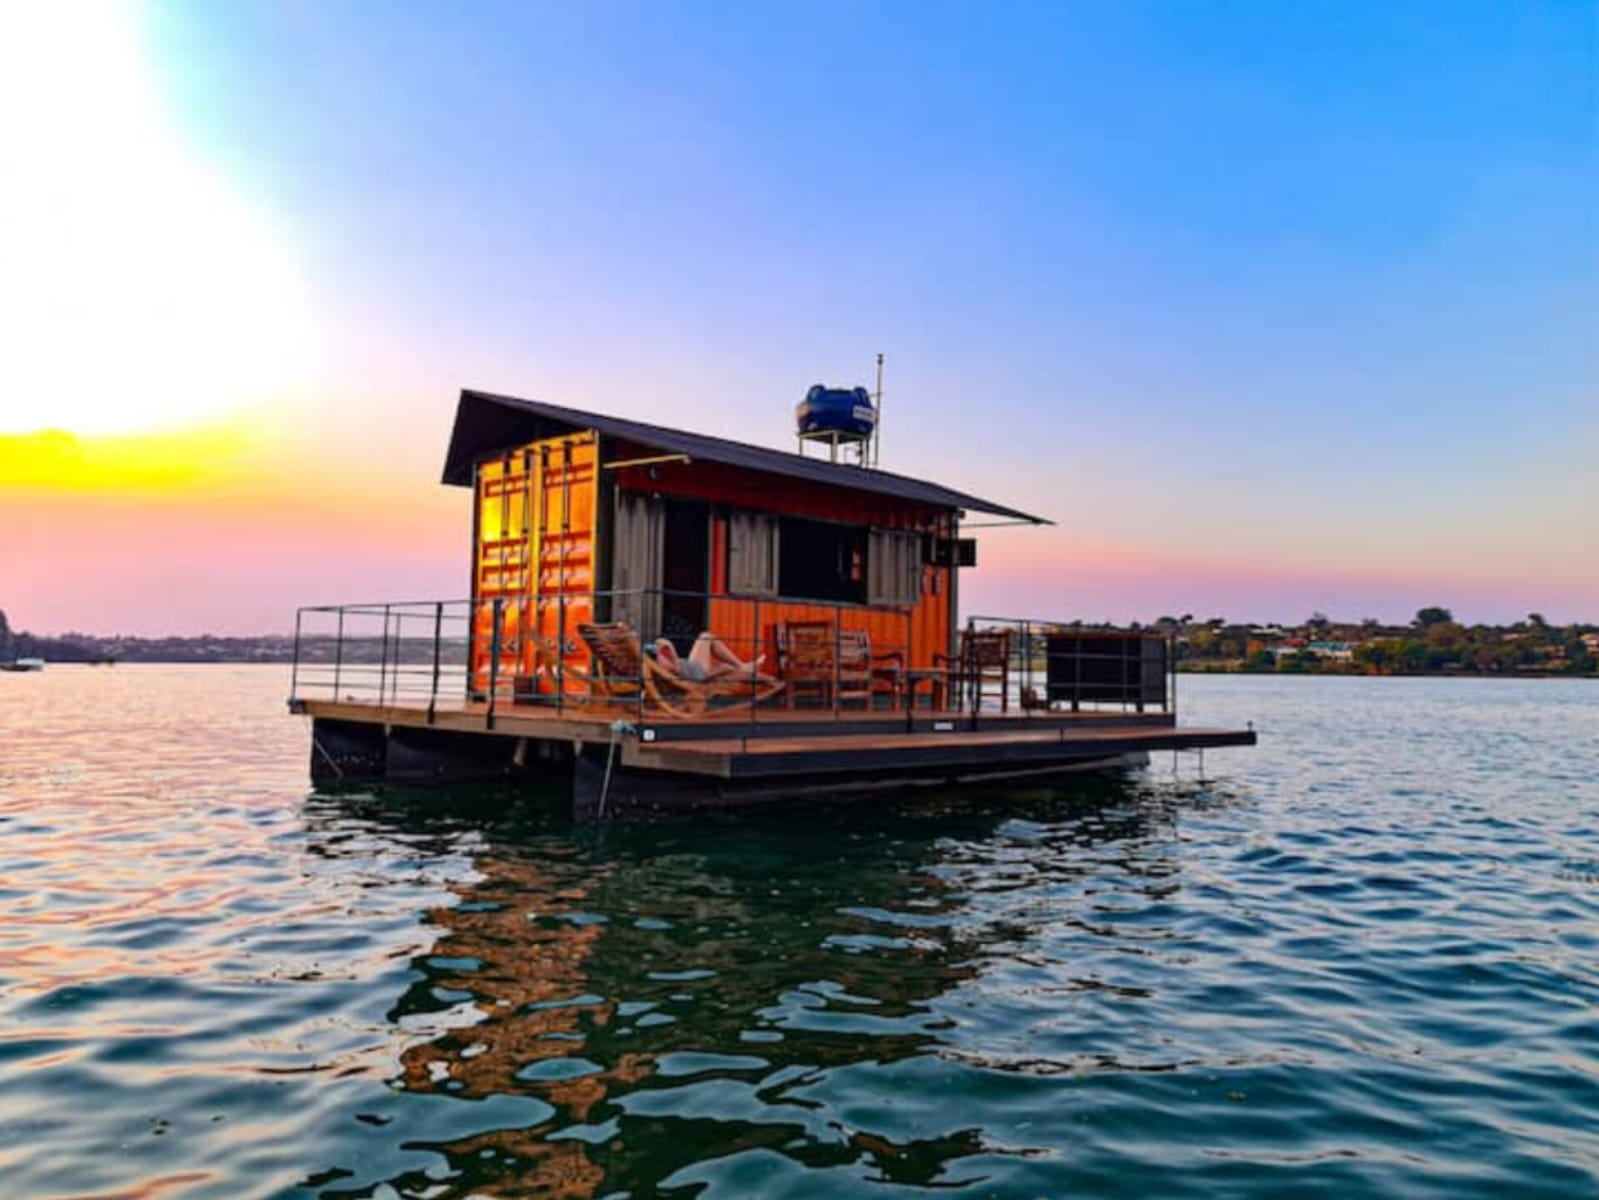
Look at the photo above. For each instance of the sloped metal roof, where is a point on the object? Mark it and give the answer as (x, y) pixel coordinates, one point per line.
(487, 424)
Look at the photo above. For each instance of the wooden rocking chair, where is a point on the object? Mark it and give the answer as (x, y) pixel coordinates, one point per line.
(621, 671)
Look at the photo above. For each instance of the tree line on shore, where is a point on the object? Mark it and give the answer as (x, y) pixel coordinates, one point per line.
(1432, 643)
(92, 648)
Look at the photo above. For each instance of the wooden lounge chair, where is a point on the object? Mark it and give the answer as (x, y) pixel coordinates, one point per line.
(621, 671)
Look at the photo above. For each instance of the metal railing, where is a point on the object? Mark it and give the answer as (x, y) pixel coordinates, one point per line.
(510, 650)
(1061, 666)
(407, 653)
(490, 654)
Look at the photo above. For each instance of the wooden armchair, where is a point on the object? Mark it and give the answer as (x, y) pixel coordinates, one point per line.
(836, 665)
(980, 669)
(881, 672)
(807, 661)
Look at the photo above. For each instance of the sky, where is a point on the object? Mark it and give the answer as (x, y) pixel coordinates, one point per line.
(1272, 308)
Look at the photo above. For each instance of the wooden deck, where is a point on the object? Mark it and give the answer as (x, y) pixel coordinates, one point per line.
(855, 752)
(655, 765)
(585, 722)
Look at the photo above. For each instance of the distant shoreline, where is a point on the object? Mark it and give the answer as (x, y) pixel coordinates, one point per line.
(1182, 669)
(1434, 645)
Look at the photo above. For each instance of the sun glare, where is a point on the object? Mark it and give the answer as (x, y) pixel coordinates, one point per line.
(138, 291)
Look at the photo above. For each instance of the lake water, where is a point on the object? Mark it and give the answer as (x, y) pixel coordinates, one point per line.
(1362, 959)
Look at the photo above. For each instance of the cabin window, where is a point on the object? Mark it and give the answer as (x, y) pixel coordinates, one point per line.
(752, 554)
(894, 568)
(818, 560)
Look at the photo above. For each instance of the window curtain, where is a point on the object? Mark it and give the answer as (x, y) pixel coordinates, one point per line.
(639, 541)
(894, 568)
(751, 554)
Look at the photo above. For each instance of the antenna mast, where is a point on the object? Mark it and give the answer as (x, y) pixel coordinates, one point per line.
(877, 435)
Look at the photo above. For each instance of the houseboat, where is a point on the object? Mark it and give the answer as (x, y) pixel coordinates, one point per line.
(674, 620)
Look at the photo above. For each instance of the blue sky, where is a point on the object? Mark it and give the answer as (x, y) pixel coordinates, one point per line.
(1273, 307)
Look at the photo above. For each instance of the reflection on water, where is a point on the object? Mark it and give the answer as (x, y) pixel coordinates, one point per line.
(1359, 962)
(672, 997)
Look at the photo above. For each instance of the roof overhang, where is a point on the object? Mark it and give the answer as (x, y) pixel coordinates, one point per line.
(487, 424)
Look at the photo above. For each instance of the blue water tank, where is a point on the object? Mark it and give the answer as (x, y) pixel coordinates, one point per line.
(847, 411)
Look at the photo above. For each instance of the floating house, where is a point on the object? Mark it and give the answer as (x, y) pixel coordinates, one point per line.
(673, 619)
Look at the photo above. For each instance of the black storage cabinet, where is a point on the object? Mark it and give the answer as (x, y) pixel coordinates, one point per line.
(1106, 668)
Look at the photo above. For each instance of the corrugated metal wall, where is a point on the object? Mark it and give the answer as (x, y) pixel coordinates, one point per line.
(535, 552)
(536, 536)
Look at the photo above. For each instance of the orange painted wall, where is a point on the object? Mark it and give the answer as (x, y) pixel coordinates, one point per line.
(535, 534)
(919, 632)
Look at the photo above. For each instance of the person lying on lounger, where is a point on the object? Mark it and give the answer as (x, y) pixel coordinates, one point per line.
(709, 658)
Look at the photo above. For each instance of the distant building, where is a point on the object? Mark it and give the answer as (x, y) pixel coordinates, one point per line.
(1332, 651)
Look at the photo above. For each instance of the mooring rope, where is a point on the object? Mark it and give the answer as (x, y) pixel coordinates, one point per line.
(320, 749)
(617, 729)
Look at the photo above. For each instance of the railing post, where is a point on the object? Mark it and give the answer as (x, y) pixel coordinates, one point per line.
(1077, 671)
(969, 670)
(755, 653)
(438, 629)
(1127, 688)
(1027, 660)
(838, 650)
(1171, 660)
(494, 660)
(559, 667)
(1040, 690)
(383, 656)
(904, 686)
(638, 692)
(399, 649)
(338, 652)
(294, 668)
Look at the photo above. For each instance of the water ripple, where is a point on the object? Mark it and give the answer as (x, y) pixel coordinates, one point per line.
(1361, 961)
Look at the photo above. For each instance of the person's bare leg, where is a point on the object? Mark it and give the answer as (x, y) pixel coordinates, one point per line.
(703, 655)
(717, 659)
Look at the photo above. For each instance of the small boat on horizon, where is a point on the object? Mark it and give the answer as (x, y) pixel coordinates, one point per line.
(23, 664)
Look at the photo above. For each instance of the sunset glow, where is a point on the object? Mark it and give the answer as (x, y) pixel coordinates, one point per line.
(141, 290)
(147, 462)
(1270, 317)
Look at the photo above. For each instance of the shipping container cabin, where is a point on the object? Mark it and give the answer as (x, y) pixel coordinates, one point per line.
(580, 518)
(592, 536)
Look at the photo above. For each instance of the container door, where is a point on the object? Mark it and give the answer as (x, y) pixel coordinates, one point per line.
(566, 490)
(535, 552)
(503, 568)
